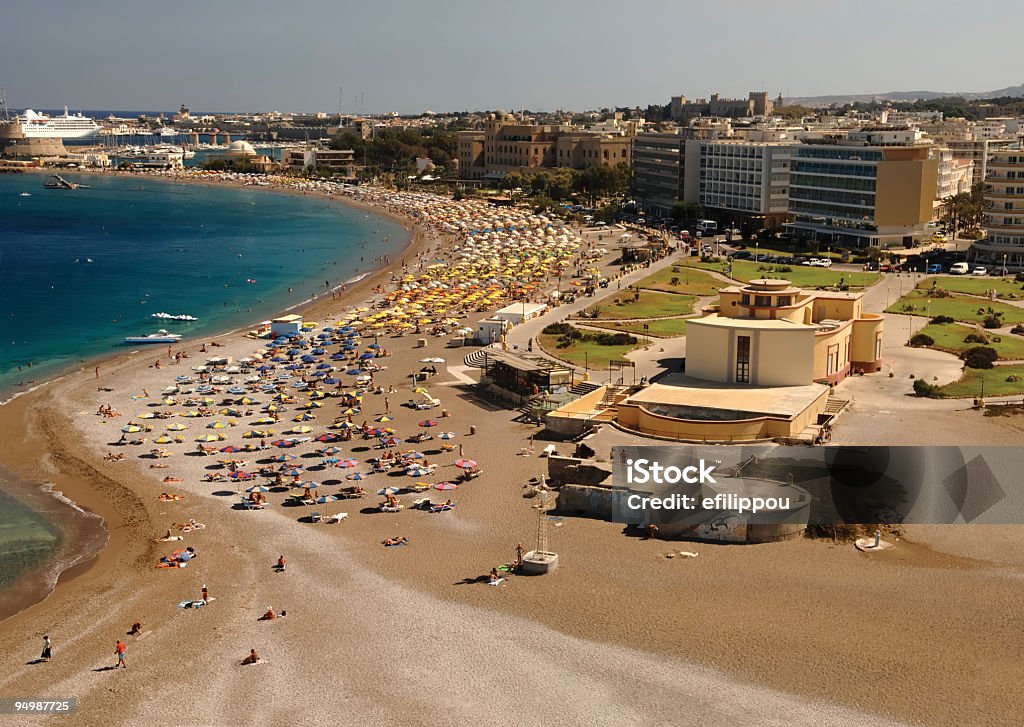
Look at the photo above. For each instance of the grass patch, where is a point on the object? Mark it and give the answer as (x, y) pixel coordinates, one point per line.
(660, 327)
(585, 353)
(689, 281)
(1004, 287)
(651, 304)
(802, 276)
(970, 384)
(950, 337)
(959, 307)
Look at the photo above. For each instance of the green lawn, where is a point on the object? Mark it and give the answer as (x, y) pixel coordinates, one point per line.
(688, 280)
(994, 379)
(661, 327)
(652, 304)
(594, 356)
(1004, 287)
(950, 337)
(802, 276)
(958, 307)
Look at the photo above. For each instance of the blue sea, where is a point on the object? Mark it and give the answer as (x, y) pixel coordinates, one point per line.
(81, 269)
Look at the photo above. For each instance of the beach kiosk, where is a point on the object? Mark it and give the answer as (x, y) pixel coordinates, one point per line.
(286, 325)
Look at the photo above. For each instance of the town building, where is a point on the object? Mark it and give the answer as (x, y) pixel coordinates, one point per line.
(757, 103)
(657, 171)
(761, 364)
(1004, 212)
(508, 145)
(872, 187)
(241, 155)
(308, 158)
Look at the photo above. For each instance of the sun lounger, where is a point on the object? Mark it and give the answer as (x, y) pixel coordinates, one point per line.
(315, 517)
(390, 508)
(336, 518)
(549, 450)
(442, 508)
(496, 583)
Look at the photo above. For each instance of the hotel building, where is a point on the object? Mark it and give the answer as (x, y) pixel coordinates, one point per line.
(873, 187)
(1004, 212)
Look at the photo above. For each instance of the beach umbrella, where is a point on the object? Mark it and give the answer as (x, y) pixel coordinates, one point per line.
(446, 486)
(285, 457)
(318, 395)
(417, 471)
(231, 412)
(301, 430)
(427, 423)
(330, 460)
(231, 449)
(323, 366)
(328, 438)
(147, 415)
(391, 441)
(384, 418)
(356, 476)
(332, 450)
(447, 435)
(331, 380)
(346, 463)
(388, 491)
(465, 463)
(209, 438)
(413, 455)
(246, 400)
(284, 443)
(163, 439)
(324, 499)
(217, 425)
(292, 471)
(374, 432)
(366, 356)
(308, 485)
(176, 427)
(258, 488)
(264, 420)
(304, 417)
(354, 372)
(240, 475)
(131, 428)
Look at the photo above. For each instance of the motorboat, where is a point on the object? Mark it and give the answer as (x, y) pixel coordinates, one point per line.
(160, 336)
(179, 317)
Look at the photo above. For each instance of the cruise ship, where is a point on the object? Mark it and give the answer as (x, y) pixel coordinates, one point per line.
(68, 126)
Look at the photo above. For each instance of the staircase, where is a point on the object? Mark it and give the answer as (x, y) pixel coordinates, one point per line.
(581, 388)
(835, 405)
(475, 359)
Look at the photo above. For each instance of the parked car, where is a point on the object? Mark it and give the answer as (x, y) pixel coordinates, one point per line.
(959, 269)
(934, 268)
(980, 270)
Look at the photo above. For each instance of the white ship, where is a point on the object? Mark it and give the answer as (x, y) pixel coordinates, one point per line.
(68, 126)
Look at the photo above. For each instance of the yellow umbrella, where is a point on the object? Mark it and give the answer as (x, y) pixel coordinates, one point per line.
(301, 430)
(218, 425)
(163, 439)
(190, 413)
(210, 438)
(264, 420)
(176, 427)
(147, 415)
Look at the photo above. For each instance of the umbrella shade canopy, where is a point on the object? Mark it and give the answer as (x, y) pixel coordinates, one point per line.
(176, 427)
(384, 418)
(264, 420)
(387, 491)
(413, 455)
(209, 438)
(328, 438)
(131, 429)
(285, 457)
(348, 463)
(240, 475)
(302, 430)
(426, 423)
(292, 472)
(218, 425)
(324, 499)
(309, 485)
(447, 435)
(356, 476)
(258, 488)
(446, 486)
(231, 449)
(332, 450)
(258, 433)
(465, 463)
(284, 443)
(163, 439)
(417, 472)
(391, 441)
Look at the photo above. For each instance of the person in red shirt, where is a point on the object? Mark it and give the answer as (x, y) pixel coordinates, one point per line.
(119, 651)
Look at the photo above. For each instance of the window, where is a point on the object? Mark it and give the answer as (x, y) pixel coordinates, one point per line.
(762, 300)
(833, 360)
(878, 347)
(743, 359)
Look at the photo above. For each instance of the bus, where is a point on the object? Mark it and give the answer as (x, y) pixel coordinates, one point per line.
(707, 227)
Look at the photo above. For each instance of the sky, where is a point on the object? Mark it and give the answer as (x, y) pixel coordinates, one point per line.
(454, 55)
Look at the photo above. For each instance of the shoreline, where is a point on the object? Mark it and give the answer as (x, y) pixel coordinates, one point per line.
(78, 497)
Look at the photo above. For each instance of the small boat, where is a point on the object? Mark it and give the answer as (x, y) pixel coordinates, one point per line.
(58, 182)
(160, 336)
(25, 194)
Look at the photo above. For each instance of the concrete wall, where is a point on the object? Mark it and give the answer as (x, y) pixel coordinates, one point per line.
(573, 470)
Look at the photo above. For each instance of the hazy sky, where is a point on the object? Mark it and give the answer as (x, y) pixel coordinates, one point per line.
(412, 55)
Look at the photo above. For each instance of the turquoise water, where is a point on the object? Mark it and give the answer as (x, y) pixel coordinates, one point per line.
(160, 247)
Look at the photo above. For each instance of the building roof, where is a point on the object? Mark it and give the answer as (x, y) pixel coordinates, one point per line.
(786, 401)
(714, 319)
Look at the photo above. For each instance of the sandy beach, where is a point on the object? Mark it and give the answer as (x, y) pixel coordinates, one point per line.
(801, 632)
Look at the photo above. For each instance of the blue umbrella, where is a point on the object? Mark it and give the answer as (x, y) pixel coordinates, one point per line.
(319, 351)
(331, 380)
(324, 366)
(294, 367)
(308, 358)
(366, 356)
(354, 372)
(373, 345)
(338, 357)
(324, 334)
(293, 352)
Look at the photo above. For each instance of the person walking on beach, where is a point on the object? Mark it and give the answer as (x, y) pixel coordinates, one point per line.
(205, 594)
(47, 649)
(97, 372)
(119, 651)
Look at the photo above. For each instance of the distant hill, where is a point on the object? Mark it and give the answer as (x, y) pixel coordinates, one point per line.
(1016, 91)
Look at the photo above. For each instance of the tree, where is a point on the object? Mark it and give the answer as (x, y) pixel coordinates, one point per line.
(686, 211)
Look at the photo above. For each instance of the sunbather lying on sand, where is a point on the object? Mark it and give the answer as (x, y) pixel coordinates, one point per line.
(167, 497)
(399, 540)
(253, 658)
(172, 479)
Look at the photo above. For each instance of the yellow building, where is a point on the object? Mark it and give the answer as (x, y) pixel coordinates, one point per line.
(761, 364)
